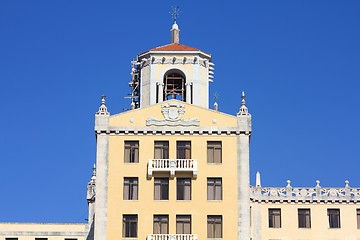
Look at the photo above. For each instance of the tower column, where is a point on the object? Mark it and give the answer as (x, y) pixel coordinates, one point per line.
(188, 92)
(243, 170)
(161, 92)
(102, 147)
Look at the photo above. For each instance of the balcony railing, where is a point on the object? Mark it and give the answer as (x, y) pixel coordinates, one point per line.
(172, 166)
(171, 237)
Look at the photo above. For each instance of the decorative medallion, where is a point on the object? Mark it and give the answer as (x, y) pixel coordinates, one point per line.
(172, 113)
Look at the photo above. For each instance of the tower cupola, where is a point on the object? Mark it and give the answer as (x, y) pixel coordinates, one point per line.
(172, 71)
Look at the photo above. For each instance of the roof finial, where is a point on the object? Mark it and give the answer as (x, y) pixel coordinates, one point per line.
(175, 31)
(175, 12)
(103, 109)
(243, 109)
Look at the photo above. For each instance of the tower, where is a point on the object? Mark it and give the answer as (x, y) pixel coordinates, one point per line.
(170, 167)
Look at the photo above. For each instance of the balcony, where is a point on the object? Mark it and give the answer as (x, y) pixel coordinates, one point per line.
(171, 237)
(172, 166)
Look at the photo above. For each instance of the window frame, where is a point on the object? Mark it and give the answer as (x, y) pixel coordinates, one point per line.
(131, 193)
(131, 151)
(163, 146)
(163, 184)
(212, 148)
(181, 219)
(182, 186)
(127, 226)
(160, 219)
(304, 218)
(334, 217)
(214, 183)
(183, 149)
(274, 217)
(212, 222)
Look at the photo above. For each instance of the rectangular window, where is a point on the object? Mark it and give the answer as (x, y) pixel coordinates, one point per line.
(131, 188)
(214, 226)
(274, 218)
(358, 218)
(334, 217)
(304, 219)
(183, 189)
(214, 152)
(183, 150)
(130, 225)
(161, 224)
(161, 188)
(214, 189)
(11, 239)
(161, 150)
(131, 152)
(183, 224)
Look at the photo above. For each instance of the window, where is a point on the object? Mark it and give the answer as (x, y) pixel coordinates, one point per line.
(214, 189)
(161, 150)
(183, 189)
(214, 152)
(183, 224)
(274, 218)
(214, 226)
(130, 223)
(174, 85)
(131, 152)
(183, 149)
(41, 239)
(358, 218)
(161, 224)
(334, 218)
(304, 219)
(161, 188)
(11, 238)
(131, 188)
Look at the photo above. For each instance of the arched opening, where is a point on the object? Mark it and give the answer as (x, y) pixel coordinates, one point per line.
(174, 85)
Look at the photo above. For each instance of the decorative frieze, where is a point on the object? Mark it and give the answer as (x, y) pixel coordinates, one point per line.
(304, 194)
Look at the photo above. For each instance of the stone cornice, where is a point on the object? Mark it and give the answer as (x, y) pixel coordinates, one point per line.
(172, 131)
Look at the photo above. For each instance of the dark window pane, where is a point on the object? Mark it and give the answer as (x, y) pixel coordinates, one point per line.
(334, 218)
(161, 188)
(130, 188)
(214, 152)
(161, 150)
(130, 225)
(304, 219)
(214, 226)
(161, 224)
(183, 224)
(274, 218)
(183, 150)
(183, 189)
(131, 152)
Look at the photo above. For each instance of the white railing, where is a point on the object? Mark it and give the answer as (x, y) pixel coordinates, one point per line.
(171, 237)
(172, 166)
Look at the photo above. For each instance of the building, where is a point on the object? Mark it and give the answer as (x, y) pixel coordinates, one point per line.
(172, 167)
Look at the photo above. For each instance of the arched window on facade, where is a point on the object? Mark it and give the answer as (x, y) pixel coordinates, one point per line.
(174, 85)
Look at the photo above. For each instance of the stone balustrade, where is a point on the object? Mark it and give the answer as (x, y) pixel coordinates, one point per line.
(172, 166)
(303, 194)
(171, 237)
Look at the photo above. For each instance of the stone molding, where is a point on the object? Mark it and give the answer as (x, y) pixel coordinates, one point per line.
(168, 132)
(35, 233)
(304, 194)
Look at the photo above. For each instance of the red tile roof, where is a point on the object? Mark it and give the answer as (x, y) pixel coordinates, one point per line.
(174, 47)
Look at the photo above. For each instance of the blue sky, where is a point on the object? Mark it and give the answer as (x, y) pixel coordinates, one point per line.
(297, 61)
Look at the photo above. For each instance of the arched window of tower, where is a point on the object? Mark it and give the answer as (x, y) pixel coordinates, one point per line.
(174, 85)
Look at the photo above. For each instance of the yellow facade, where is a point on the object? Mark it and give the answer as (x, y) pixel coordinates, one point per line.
(198, 207)
(318, 229)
